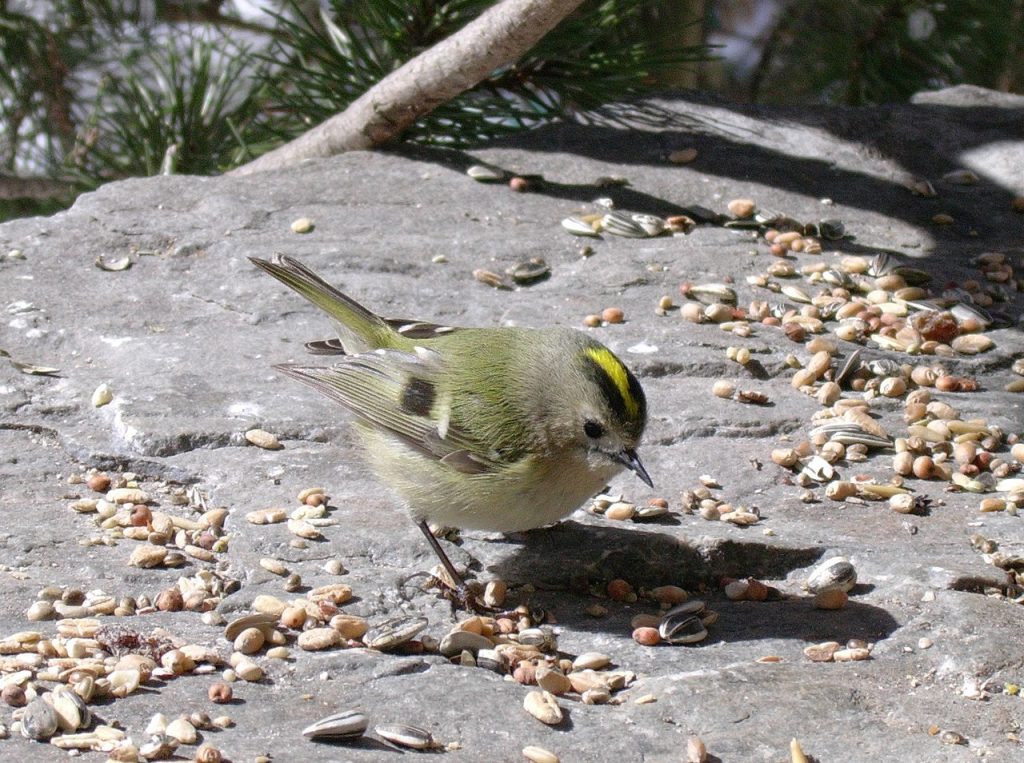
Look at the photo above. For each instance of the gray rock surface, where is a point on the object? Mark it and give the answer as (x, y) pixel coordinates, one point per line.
(186, 336)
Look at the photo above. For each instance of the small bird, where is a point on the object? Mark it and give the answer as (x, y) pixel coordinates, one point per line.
(499, 429)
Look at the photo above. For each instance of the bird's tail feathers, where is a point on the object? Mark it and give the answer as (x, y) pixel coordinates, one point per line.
(367, 329)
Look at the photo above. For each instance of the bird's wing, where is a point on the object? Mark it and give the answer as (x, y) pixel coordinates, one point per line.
(413, 329)
(331, 346)
(399, 392)
(408, 328)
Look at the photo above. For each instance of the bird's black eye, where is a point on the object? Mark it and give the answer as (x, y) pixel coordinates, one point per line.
(593, 430)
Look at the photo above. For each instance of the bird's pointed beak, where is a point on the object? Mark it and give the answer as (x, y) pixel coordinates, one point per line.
(628, 458)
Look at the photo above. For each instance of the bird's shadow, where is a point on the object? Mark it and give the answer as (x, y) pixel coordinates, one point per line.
(570, 564)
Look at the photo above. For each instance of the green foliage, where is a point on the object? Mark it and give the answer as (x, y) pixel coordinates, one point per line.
(596, 56)
(883, 51)
(177, 107)
(40, 57)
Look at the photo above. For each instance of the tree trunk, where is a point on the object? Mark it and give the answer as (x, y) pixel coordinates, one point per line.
(498, 36)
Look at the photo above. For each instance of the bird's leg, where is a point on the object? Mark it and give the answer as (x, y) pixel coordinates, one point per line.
(445, 561)
(461, 591)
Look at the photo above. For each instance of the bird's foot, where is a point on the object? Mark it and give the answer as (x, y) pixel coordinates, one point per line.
(462, 595)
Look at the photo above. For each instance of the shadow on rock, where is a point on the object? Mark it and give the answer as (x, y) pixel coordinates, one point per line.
(834, 153)
(570, 562)
(555, 557)
(798, 620)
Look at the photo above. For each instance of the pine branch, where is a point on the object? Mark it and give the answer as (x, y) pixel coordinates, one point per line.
(497, 37)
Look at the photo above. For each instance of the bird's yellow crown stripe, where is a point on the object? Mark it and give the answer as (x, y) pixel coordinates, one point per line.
(618, 374)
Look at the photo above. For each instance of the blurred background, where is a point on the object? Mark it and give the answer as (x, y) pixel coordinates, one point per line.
(95, 90)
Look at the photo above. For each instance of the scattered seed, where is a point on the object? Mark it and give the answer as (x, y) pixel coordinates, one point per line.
(696, 752)
(544, 707)
(613, 315)
(647, 636)
(394, 632)
(263, 439)
(489, 278)
(536, 754)
(249, 671)
(834, 573)
(98, 482)
(39, 720)
(519, 184)
(274, 566)
(249, 641)
(552, 680)
(484, 174)
(182, 730)
(220, 693)
(620, 511)
(147, 556)
(693, 312)
(840, 490)
(680, 224)
(822, 652)
(736, 590)
(681, 626)
(903, 503)
(13, 695)
(682, 156)
(591, 661)
(669, 594)
(580, 227)
(458, 641)
(349, 724)
(207, 753)
(319, 639)
(303, 529)
(403, 735)
(752, 397)
(312, 496)
(102, 396)
(972, 344)
(620, 590)
(741, 208)
(832, 598)
(495, 593)
(530, 271)
(796, 752)
(851, 654)
(952, 737)
(266, 516)
(718, 313)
